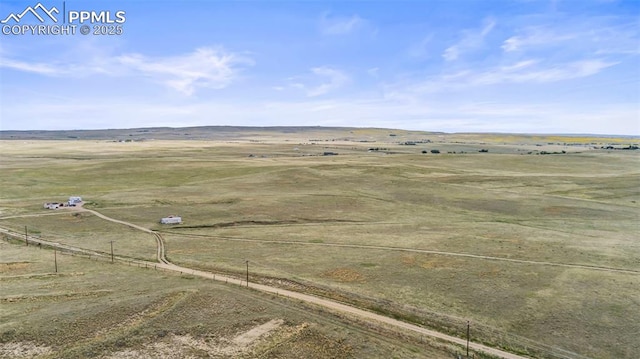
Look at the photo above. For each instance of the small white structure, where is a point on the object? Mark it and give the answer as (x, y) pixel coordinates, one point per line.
(171, 220)
(53, 205)
(73, 200)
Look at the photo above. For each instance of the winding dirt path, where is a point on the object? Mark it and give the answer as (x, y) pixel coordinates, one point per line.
(159, 240)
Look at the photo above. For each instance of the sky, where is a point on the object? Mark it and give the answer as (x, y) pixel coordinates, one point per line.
(520, 66)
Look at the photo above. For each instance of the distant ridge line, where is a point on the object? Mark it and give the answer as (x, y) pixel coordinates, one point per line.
(195, 132)
(227, 131)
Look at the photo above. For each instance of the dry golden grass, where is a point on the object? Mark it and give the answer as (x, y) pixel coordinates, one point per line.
(353, 222)
(97, 309)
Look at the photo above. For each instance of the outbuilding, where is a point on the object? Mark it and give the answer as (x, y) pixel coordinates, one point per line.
(74, 200)
(171, 220)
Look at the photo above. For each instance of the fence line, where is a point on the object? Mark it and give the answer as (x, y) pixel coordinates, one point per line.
(449, 324)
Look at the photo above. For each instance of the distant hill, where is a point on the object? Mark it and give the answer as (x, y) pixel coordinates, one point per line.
(310, 133)
(189, 133)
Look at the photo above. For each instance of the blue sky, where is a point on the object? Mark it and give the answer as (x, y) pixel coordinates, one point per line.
(456, 66)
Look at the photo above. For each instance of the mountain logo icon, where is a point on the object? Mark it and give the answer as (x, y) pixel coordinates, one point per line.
(34, 11)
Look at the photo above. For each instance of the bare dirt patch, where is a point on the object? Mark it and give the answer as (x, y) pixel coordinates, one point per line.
(146, 314)
(39, 276)
(253, 334)
(306, 342)
(54, 296)
(409, 259)
(186, 346)
(13, 266)
(345, 275)
(22, 350)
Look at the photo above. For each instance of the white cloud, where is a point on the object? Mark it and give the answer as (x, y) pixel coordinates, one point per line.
(617, 39)
(519, 65)
(523, 72)
(334, 79)
(321, 81)
(38, 68)
(536, 36)
(510, 78)
(600, 35)
(471, 40)
(340, 25)
(203, 68)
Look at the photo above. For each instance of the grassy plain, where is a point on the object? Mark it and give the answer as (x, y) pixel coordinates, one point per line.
(355, 223)
(97, 309)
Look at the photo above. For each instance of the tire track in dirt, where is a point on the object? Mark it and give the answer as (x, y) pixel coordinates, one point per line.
(136, 320)
(160, 254)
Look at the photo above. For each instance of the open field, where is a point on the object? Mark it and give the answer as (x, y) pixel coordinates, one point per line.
(539, 246)
(97, 309)
(82, 229)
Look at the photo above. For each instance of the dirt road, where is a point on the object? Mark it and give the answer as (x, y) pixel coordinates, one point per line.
(160, 242)
(326, 303)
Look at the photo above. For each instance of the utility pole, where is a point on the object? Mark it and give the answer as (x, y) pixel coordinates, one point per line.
(467, 339)
(111, 251)
(26, 241)
(55, 259)
(247, 272)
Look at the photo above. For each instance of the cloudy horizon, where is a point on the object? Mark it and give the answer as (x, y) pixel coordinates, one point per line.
(500, 66)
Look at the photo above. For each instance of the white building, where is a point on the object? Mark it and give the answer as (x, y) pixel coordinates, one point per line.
(171, 220)
(73, 200)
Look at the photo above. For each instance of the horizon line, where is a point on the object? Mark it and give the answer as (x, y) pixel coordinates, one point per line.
(570, 134)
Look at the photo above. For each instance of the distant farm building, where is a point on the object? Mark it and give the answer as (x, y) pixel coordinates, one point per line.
(53, 205)
(74, 200)
(171, 220)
